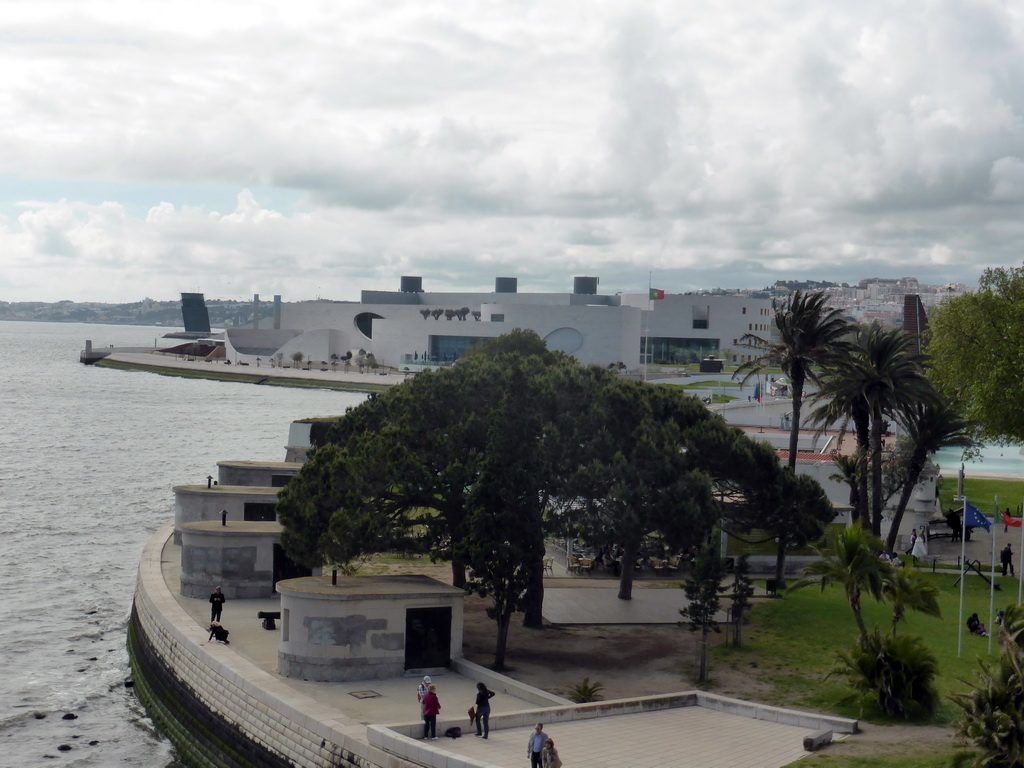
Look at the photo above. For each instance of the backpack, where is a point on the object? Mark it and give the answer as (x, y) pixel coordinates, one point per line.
(455, 732)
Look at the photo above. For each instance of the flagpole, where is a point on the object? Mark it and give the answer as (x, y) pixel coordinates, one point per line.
(992, 584)
(647, 325)
(963, 577)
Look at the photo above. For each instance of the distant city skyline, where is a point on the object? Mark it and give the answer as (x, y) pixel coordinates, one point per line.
(315, 149)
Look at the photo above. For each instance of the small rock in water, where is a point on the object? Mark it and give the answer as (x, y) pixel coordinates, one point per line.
(70, 716)
(129, 683)
(93, 743)
(93, 658)
(64, 747)
(40, 715)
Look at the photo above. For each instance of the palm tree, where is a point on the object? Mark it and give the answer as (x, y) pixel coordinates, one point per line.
(907, 588)
(809, 336)
(881, 377)
(848, 470)
(928, 427)
(851, 561)
(838, 401)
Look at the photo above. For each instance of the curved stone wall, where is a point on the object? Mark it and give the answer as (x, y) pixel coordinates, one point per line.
(219, 709)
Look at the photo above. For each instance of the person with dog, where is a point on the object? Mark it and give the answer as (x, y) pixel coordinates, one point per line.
(483, 710)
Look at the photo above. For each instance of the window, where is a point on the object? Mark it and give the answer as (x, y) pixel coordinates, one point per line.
(744, 310)
(498, 318)
(701, 314)
(259, 512)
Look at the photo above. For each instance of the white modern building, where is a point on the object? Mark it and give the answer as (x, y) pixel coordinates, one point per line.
(412, 328)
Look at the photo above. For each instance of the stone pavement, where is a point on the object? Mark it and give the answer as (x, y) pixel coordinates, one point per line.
(681, 738)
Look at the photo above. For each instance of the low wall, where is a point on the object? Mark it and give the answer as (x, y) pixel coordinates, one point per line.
(401, 740)
(217, 708)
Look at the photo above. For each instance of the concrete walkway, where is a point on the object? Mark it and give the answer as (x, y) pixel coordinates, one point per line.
(681, 736)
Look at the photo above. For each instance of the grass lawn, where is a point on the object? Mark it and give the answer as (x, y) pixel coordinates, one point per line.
(982, 493)
(790, 644)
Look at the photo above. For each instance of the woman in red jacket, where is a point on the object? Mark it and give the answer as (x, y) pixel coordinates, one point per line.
(431, 709)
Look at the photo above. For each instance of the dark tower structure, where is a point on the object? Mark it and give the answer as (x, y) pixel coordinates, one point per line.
(194, 313)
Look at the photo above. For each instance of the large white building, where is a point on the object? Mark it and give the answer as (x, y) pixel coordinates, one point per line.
(412, 328)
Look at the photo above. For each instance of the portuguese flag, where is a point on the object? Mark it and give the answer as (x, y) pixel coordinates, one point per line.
(657, 294)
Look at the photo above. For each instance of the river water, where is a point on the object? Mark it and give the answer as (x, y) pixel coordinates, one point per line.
(88, 458)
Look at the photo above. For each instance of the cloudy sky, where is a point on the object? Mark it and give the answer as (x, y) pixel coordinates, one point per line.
(316, 148)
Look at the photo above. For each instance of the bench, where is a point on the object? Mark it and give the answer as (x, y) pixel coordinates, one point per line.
(269, 617)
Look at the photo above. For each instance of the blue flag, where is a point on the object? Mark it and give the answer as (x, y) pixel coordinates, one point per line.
(757, 391)
(974, 519)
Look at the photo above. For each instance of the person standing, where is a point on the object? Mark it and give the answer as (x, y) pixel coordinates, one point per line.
(920, 548)
(483, 710)
(216, 604)
(421, 689)
(549, 755)
(535, 745)
(431, 709)
(913, 541)
(1006, 560)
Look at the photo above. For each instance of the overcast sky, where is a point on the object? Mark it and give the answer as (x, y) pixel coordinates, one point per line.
(319, 148)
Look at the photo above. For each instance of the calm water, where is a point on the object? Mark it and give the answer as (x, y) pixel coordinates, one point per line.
(994, 459)
(88, 458)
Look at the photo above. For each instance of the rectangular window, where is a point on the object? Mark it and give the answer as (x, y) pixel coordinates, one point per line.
(259, 512)
(744, 310)
(701, 315)
(498, 318)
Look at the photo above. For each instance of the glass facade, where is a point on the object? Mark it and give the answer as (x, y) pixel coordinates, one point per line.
(448, 349)
(676, 351)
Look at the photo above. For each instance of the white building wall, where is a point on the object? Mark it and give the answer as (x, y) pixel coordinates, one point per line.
(729, 318)
(610, 326)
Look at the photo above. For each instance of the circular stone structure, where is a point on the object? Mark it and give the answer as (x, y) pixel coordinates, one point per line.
(367, 627)
(238, 557)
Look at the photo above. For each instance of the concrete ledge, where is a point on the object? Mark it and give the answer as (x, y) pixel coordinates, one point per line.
(401, 739)
(501, 684)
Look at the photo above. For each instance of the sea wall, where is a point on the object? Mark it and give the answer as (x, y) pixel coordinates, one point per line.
(217, 708)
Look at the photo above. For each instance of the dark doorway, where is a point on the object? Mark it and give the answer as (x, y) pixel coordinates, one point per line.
(286, 568)
(428, 637)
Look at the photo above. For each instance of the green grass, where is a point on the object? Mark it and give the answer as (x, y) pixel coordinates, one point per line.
(791, 644)
(982, 493)
(923, 755)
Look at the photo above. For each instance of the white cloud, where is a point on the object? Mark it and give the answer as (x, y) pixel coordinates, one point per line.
(722, 144)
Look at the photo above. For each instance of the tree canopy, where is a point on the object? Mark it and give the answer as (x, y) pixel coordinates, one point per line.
(477, 463)
(975, 354)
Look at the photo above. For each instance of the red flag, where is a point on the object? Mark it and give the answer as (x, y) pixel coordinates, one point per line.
(656, 294)
(1010, 521)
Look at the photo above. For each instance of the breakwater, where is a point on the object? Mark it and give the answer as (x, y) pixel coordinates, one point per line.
(219, 709)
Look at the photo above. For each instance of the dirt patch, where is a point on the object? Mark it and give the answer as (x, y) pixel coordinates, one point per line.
(643, 660)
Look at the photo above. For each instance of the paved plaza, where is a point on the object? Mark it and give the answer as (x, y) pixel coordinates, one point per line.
(684, 736)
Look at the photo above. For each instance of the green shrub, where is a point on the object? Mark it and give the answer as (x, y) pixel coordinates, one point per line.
(898, 672)
(994, 711)
(585, 691)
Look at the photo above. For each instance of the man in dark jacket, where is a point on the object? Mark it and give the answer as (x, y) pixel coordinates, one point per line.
(216, 604)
